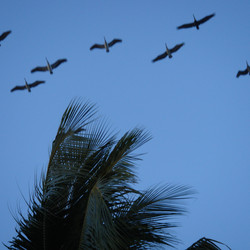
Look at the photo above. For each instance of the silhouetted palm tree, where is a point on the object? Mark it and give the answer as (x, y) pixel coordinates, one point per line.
(86, 199)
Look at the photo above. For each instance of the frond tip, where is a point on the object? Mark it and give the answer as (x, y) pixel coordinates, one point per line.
(207, 244)
(76, 117)
(147, 218)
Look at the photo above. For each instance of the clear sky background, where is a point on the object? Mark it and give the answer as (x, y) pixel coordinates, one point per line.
(196, 109)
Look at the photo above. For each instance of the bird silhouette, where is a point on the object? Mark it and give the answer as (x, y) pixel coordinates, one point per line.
(49, 67)
(106, 45)
(4, 35)
(27, 86)
(244, 72)
(168, 52)
(196, 23)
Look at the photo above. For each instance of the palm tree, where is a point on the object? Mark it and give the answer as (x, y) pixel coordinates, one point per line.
(86, 200)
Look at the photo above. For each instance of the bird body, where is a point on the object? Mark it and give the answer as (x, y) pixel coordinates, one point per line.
(248, 68)
(196, 23)
(27, 86)
(168, 52)
(49, 67)
(244, 72)
(106, 45)
(4, 35)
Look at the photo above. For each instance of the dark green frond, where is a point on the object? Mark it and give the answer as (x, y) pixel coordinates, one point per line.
(146, 220)
(76, 117)
(74, 120)
(206, 244)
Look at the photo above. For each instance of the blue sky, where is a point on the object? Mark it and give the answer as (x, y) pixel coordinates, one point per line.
(194, 106)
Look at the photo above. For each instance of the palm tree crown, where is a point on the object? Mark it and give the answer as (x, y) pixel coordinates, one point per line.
(86, 199)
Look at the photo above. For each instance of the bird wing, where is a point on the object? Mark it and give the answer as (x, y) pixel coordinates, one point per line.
(97, 46)
(176, 47)
(34, 84)
(242, 72)
(160, 57)
(187, 25)
(4, 35)
(18, 88)
(39, 69)
(58, 62)
(114, 41)
(206, 18)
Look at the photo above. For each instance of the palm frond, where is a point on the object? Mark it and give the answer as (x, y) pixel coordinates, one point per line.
(206, 244)
(146, 220)
(74, 119)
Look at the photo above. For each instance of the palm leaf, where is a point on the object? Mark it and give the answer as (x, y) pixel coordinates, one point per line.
(207, 244)
(146, 220)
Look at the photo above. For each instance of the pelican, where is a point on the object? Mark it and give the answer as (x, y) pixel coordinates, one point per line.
(27, 86)
(106, 45)
(4, 35)
(196, 23)
(49, 66)
(168, 52)
(244, 72)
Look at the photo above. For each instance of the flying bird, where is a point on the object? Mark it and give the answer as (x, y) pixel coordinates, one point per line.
(196, 23)
(4, 35)
(243, 72)
(168, 52)
(106, 45)
(27, 86)
(49, 66)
